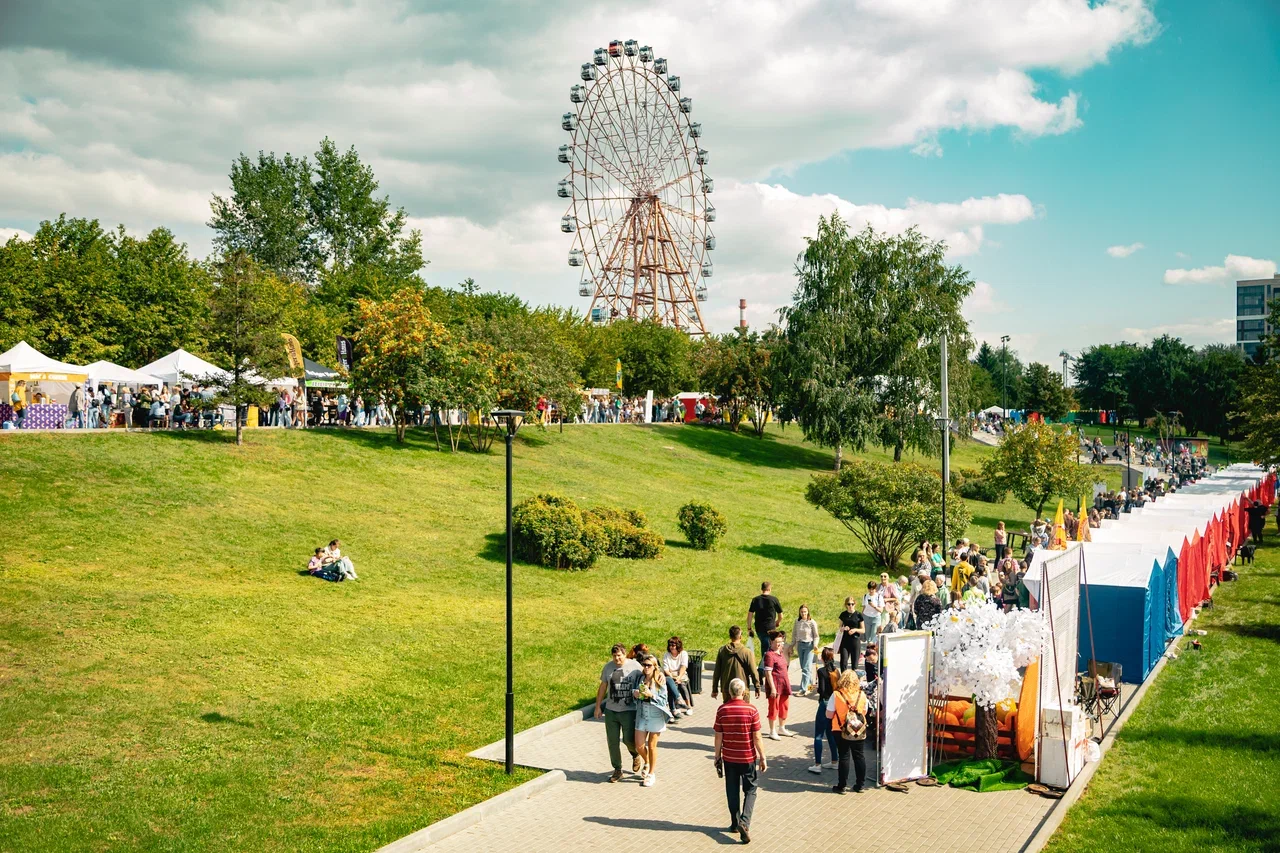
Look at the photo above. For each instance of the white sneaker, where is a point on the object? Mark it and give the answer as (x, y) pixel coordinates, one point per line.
(817, 768)
(774, 736)
(831, 766)
(648, 781)
(786, 732)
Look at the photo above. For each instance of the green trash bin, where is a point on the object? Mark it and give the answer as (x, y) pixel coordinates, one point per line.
(696, 657)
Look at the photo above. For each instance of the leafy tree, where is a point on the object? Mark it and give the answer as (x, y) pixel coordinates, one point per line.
(1102, 373)
(654, 358)
(247, 307)
(1005, 370)
(888, 507)
(1036, 462)
(269, 215)
(1044, 392)
(543, 359)
(1218, 376)
(165, 296)
(393, 341)
(1160, 376)
(864, 329)
(736, 368)
(1259, 413)
(984, 387)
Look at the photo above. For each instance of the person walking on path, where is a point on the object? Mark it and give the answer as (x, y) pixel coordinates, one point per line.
(739, 756)
(852, 632)
(1257, 520)
(734, 660)
(777, 683)
(828, 675)
(651, 717)
(618, 678)
(805, 636)
(872, 608)
(847, 710)
(765, 615)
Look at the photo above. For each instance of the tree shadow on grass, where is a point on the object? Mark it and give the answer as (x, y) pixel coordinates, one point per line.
(1206, 821)
(199, 436)
(1256, 630)
(678, 543)
(415, 438)
(815, 558)
(1266, 742)
(765, 452)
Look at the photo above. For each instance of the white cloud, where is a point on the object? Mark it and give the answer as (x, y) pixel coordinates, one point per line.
(1183, 255)
(7, 234)
(1124, 251)
(1196, 334)
(983, 302)
(1234, 267)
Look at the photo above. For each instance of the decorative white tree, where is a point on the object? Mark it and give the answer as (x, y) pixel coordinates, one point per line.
(978, 651)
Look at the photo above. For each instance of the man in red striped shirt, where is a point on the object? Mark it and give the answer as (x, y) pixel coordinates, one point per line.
(739, 751)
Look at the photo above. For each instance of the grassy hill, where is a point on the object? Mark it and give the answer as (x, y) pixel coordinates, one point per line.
(168, 680)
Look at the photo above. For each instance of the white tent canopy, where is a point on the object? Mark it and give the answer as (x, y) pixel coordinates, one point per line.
(24, 358)
(106, 371)
(993, 410)
(180, 366)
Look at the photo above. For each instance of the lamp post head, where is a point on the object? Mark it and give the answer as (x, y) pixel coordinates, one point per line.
(510, 418)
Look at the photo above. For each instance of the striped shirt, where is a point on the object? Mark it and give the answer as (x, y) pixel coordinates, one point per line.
(736, 721)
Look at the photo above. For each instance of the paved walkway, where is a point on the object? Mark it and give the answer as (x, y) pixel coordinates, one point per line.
(686, 809)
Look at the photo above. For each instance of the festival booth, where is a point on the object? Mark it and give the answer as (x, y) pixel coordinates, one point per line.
(40, 375)
(182, 368)
(319, 376)
(107, 373)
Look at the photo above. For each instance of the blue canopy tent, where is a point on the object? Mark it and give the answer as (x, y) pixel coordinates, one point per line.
(1173, 618)
(1126, 600)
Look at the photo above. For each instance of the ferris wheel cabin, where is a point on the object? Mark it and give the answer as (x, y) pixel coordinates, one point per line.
(686, 105)
(710, 213)
(588, 71)
(577, 93)
(568, 225)
(707, 269)
(646, 54)
(695, 129)
(631, 47)
(703, 157)
(563, 156)
(708, 185)
(575, 258)
(569, 121)
(615, 48)
(600, 57)
(710, 242)
(673, 82)
(584, 288)
(564, 189)
(660, 66)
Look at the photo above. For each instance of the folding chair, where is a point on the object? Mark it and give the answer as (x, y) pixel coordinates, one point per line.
(1108, 691)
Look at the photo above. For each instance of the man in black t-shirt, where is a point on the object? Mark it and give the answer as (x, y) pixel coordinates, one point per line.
(764, 615)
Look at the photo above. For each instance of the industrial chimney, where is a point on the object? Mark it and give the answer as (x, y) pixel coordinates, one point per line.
(742, 313)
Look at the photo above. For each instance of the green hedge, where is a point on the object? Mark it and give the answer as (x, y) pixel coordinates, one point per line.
(702, 524)
(972, 485)
(553, 531)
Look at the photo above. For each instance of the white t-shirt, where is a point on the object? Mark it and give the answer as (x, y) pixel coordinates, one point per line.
(870, 602)
(672, 664)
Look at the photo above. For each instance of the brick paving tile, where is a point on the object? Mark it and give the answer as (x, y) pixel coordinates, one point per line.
(686, 809)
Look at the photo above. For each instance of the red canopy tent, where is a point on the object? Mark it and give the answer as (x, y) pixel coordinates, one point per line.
(1185, 592)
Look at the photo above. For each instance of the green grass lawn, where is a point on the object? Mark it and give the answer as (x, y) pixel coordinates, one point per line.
(168, 680)
(1198, 764)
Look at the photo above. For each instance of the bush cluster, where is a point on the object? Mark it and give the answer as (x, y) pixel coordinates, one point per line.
(702, 524)
(973, 485)
(553, 531)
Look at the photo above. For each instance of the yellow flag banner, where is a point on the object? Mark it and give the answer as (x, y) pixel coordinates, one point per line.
(1082, 524)
(618, 369)
(1059, 542)
(294, 350)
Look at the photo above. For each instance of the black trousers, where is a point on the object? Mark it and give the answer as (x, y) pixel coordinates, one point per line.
(740, 779)
(851, 749)
(850, 648)
(1001, 550)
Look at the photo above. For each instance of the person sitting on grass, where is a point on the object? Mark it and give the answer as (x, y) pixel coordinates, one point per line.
(316, 566)
(342, 565)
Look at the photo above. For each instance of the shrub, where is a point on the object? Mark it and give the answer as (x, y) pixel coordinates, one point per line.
(553, 531)
(550, 530)
(973, 485)
(625, 533)
(702, 524)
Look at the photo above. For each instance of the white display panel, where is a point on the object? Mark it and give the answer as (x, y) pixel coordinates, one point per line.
(904, 703)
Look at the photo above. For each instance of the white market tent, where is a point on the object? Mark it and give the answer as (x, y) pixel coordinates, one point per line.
(181, 366)
(993, 410)
(23, 362)
(106, 371)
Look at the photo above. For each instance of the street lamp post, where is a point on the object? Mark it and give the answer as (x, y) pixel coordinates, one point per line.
(944, 423)
(1004, 371)
(511, 419)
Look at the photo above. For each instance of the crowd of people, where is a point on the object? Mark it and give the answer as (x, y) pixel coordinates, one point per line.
(640, 694)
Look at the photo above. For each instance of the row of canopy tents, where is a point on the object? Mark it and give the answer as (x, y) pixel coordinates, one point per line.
(1144, 574)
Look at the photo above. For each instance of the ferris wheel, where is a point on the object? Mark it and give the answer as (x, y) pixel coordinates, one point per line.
(639, 203)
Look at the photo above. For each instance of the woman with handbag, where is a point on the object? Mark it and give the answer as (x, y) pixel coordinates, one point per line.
(651, 716)
(847, 711)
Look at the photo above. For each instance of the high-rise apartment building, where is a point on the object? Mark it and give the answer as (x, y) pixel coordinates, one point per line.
(1253, 304)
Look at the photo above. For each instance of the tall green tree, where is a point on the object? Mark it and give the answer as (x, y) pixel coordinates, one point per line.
(269, 215)
(1103, 374)
(247, 310)
(863, 334)
(1218, 377)
(1044, 392)
(1006, 372)
(654, 358)
(165, 296)
(1160, 377)
(394, 340)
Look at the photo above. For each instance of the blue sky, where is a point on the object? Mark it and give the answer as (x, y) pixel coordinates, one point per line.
(1031, 136)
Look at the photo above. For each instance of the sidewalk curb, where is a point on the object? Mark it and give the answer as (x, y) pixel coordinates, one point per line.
(467, 818)
(1058, 813)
